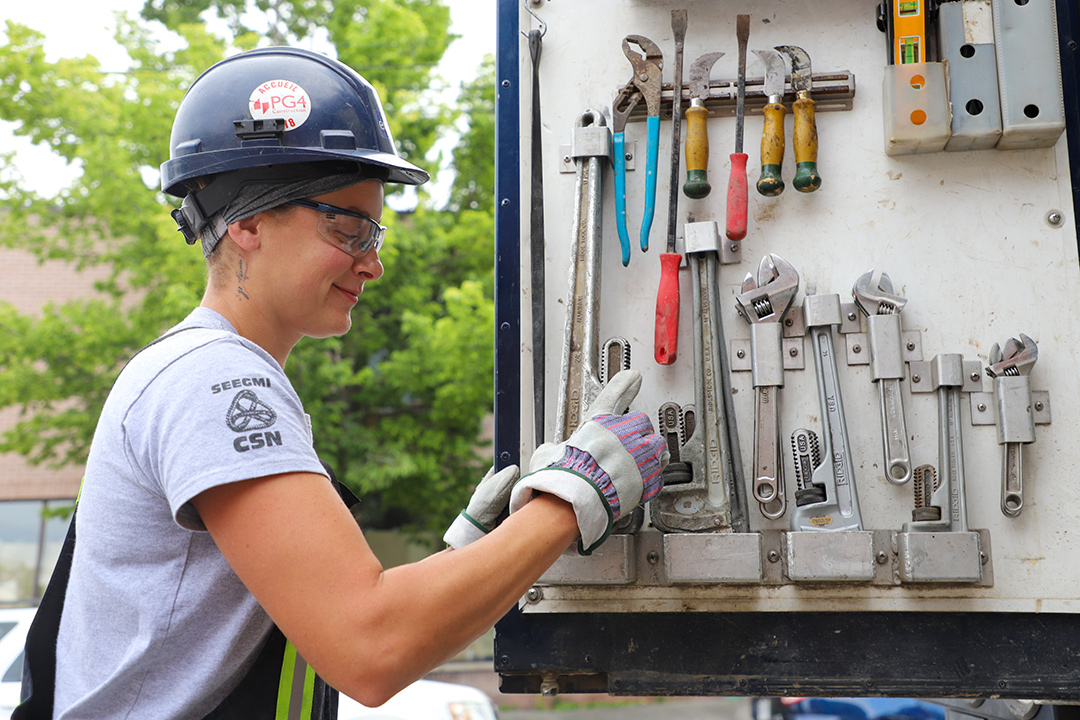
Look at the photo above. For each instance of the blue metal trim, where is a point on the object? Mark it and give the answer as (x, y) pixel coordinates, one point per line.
(1068, 24)
(507, 237)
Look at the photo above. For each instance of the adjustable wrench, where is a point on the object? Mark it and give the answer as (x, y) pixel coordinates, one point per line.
(1016, 424)
(826, 498)
(941, 503)
(713, 499)
(581, 360)
(873, 293)
(763, 303)
(648, 81)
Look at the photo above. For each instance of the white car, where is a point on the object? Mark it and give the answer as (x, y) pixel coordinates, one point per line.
(14, 624)
(423, 700)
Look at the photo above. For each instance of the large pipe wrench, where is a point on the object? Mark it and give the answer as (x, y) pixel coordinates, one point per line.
(648, 81)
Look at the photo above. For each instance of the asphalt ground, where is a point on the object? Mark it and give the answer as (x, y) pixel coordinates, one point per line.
(651, 709)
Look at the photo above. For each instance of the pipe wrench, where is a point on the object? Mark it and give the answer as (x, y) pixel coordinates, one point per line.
(709, 497)
(1016, 424)
(873, 293)
(826, 498)
(582, 375)
(648, 81)
(763, 303)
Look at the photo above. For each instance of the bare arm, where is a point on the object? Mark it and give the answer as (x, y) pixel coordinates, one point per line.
(367, 631)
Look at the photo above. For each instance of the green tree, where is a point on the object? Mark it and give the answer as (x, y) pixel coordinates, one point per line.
(397, 403)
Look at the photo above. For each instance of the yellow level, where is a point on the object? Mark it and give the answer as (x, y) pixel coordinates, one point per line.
(909, 31)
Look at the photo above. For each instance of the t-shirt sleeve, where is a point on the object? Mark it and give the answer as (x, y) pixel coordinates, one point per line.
(218, 414)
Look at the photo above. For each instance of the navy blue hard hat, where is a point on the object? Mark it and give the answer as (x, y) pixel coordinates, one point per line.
(278, 107)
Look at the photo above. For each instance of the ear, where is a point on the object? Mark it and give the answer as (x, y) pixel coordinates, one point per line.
(247, 233)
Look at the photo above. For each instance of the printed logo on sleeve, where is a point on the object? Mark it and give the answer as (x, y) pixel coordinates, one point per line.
(247, 414)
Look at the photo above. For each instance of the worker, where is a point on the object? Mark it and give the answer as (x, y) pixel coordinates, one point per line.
(217, 571)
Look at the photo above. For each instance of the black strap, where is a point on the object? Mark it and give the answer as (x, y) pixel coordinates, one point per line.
(536, 246)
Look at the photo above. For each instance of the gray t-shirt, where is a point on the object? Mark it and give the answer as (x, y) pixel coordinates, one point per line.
(155, 622)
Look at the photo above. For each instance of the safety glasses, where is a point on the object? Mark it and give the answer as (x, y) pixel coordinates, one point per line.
(346, 230)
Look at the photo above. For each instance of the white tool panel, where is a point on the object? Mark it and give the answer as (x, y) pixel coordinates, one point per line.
(982, 243)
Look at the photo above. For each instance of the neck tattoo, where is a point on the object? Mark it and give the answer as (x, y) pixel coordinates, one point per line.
(241, 276)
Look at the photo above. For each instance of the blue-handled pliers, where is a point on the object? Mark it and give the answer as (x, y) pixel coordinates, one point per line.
(647, 79)
(627, 99)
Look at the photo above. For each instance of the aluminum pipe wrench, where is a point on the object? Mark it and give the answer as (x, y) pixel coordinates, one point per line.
(826, 498)
(582, 376)
(713, 499)
(1015, 423)
(648, 80)
(873, 293)
(763, 302)
(940, 499)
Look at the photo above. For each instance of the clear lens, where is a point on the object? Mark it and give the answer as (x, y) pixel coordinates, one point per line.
(355, 235)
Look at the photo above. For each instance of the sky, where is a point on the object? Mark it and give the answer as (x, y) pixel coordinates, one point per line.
(87, 28)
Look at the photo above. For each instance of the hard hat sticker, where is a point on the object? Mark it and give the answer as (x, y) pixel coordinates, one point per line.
(280, 99)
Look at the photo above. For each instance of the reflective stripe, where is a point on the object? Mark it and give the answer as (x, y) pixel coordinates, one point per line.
(296, 689)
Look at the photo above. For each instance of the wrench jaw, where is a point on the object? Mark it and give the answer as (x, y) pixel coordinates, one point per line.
(1018, 357)
(873, 293)
(767, 298)
(689, 502)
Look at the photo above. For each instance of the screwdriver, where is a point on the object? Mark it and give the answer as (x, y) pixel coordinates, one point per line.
(736, 196)
(666, 339)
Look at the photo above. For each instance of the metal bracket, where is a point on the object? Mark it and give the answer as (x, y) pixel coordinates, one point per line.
(858, 347)
(983, 403)
(919, 375)
(794, 355)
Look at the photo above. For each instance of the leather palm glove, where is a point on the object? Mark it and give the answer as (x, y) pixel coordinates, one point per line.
(605, 468)
(488, 502)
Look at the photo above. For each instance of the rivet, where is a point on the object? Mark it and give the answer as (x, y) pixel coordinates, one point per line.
(506, 83)
(505, 202)
(788, 322)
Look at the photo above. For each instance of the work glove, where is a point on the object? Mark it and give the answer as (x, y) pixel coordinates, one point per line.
(481, 515)
(605, 468)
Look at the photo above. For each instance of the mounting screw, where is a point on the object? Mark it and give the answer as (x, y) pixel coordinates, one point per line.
(788, 322)
(504, 455)
(910, 346)
(1039, 405)
(882, 558)
(740, 353)
(982, 407)
(983, 558)
(856, 349)
(653, 557)
(916, 378)
(505, 202)
(773, 556)
(506, 83)
(535, 594)
(974, 376)
(851, 315)
(1055, 218)
(793, 352)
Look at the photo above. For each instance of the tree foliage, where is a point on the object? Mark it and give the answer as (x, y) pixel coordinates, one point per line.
(397, 403)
